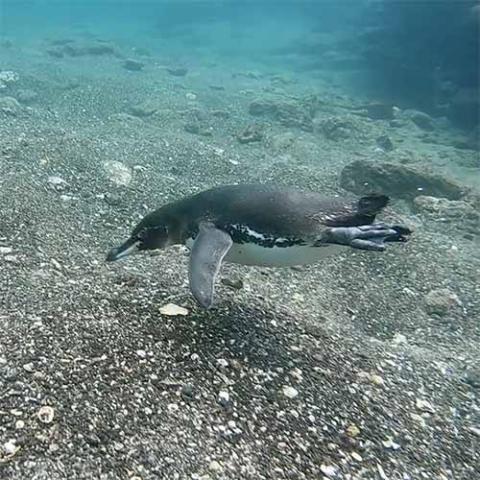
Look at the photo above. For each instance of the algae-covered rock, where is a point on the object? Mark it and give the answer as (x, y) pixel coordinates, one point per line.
(401, 181)
(441, 301)
(289, 114)
(10, 106)
(253, 133)
(457, 212)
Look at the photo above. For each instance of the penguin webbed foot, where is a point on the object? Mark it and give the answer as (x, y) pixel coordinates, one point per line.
(368, 237)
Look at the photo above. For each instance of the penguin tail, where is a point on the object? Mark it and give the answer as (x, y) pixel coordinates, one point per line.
(371, 205)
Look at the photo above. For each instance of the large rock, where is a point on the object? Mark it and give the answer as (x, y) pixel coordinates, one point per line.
(441, 301)
(362, 177)
(457, 212)
(288, 114)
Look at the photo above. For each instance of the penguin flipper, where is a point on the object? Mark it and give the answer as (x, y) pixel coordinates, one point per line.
(208, 251)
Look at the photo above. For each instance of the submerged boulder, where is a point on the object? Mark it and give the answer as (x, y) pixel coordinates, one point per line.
(289, 114)
(401, 181)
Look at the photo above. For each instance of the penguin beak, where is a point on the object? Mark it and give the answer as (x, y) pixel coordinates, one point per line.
(130, 246)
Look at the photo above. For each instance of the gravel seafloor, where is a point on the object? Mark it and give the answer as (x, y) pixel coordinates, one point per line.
(327, 371)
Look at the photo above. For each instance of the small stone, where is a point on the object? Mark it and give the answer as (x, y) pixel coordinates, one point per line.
(177, 71)
(289, 391)
(190, 96)
(441, 301)
(29, 367)
(328, 470)
(223, 398)
(118, 173)
(10, 106)
(10, 447)
(474, 430)
(187, 391)
(5, 250)
(172, 310)
(141, 353)
(385, 143)
(356, 457)
(46, 414)
(222, 363)
(19, 424)
(418, 419)
(353, 431)
(376, 379)
(133, 65)
(57, 182)
(390, 444)
(214, 466)
(424, 406)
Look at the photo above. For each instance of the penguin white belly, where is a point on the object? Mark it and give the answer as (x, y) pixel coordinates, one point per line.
(254, 254)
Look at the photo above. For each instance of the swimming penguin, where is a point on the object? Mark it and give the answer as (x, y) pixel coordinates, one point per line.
(259, 225)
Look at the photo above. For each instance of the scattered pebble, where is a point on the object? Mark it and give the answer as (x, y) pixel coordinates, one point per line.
(328, 470)
(441, 301)
(390, 444)
(141, 353)
(133, 65)
(5, 250)
(424, 406)
(223, 398)
(353, 431)
(214, 466)
(46, 414)
(172, 310)
(29, 367)
(289, 391)
(356, 457)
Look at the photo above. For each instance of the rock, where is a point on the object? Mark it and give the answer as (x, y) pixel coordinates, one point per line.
(289, 391)
(234, 284)
(328, 470)
(214, 466)
(58, 183)
(362, 177)
(29, 367)
(96, 47)
(118, 173)
(288, 114)
(253, 133)
(133, 65)
(353, 431)
(177, 71)
(424, 406)
(7, 77)
(385, 143)
(441, 301)
(10, 106)
(337, 128)
(421, 119)
(46, 414)
(144, 109)
(377, 111)
(26, 96)
(223, 399)
(457, 212)
(6, 250)
(472, 377)
(190, 96)
(172, 310)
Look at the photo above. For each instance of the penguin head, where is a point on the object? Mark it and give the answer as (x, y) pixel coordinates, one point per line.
(145, 236)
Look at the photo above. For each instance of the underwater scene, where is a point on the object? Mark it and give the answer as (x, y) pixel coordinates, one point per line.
(239, 240)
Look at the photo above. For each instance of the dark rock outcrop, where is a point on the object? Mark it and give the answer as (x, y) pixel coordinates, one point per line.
(401, 181)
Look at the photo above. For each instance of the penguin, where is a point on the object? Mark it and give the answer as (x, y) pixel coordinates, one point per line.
(259, 225)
